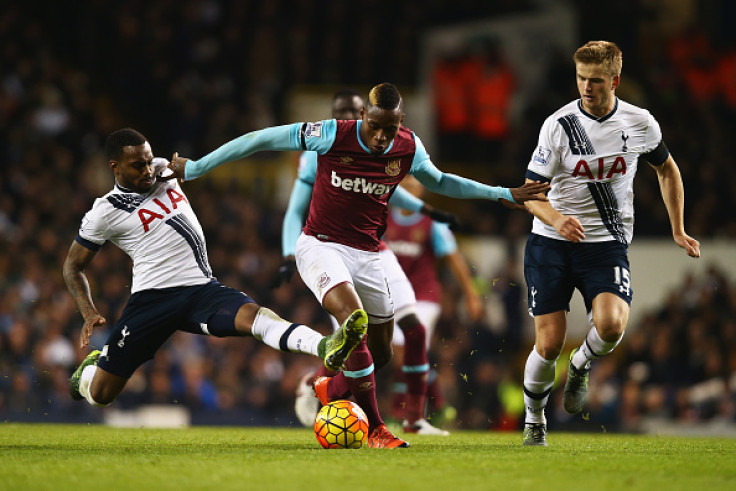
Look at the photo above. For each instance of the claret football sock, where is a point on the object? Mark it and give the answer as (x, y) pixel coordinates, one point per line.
(415, 369)
(360, 377)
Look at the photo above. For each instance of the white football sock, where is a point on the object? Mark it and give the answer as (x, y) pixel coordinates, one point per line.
(85, 380)
(283, 335)
(593, 347)
(539, 376)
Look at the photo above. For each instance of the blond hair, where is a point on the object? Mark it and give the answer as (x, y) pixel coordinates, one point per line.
(603, 53)
(385, 96)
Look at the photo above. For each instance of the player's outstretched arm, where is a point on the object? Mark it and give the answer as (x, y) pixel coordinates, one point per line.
(462, 187)
(76, 261)
(275, 138)
(673, 195)
(407, 201)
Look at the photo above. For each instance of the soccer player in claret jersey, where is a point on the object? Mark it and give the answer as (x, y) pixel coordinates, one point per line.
(173, 287)
(347, 104)
(589, 151)
(418, 241)
(359, 165)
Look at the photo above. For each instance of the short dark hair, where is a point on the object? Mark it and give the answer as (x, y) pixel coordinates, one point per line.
(126, 137)
(385, 96)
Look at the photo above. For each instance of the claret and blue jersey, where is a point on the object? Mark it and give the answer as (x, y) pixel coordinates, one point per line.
(352, 186)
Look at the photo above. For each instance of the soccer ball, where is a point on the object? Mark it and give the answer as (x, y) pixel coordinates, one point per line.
(341, 424)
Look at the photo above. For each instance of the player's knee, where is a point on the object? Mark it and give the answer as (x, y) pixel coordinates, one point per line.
(101, 395)
(227, 322)
(612, 332)
(410, 322)
(610, 327)
(105, 387)
(549, 352)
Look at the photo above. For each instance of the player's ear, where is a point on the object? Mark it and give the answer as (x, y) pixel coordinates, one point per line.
(113, 165)
(615, 82)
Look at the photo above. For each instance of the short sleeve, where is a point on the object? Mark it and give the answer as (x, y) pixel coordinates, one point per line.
(94, 227)
(654, 135)
(546, 156)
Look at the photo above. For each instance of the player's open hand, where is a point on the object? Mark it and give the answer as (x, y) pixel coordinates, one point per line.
(691, 246)
(530, 191)
(177, 166)
(94, 320)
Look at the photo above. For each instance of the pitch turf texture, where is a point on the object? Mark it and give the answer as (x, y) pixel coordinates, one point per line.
(58, 457)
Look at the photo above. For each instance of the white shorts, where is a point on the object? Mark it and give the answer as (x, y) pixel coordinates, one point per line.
(399, 285)
(428, 313)
(324, 265)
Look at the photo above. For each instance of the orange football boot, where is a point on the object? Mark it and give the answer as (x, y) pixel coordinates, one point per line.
(382, 438)
(320, 389)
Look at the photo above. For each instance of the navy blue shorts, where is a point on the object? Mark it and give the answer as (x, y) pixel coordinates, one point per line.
(554, 268)
(152, 316)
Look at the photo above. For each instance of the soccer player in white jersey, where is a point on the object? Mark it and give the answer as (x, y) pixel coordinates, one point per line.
(360, 163)
(150, 219)
(588, 151)
(346, 104)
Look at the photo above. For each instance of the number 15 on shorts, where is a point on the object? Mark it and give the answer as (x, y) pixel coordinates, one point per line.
(622, 278)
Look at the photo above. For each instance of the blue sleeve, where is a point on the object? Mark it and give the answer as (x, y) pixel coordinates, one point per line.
(301, 193)
(275, 138)
(307, 167)
(405, 200)
(317, 136)
(449, 184)
(443, 240)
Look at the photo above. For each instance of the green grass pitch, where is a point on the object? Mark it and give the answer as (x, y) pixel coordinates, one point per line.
(59, 457)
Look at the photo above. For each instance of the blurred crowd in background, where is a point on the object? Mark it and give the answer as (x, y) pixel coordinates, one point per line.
(193, 74)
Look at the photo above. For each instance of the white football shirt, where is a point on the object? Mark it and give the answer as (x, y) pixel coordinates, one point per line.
(158, 230)
(592, 162)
